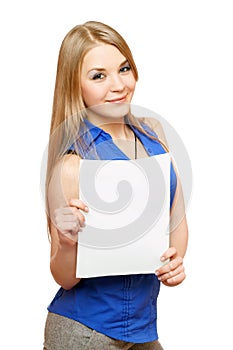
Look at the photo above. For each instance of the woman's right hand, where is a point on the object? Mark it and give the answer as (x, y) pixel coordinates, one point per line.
(69, 220)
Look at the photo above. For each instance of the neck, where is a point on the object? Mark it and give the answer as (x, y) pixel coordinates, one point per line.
(116, 127)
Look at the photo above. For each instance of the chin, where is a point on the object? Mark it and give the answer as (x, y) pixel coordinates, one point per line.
(111, 110)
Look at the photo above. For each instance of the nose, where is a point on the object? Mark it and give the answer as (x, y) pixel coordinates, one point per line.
(117, 83)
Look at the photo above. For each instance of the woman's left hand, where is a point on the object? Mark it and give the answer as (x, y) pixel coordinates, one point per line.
(172, 273)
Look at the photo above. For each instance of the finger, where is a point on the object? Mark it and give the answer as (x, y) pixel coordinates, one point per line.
(81, 218)
(67, 218)
(170, 252)
(64, 214)
(67, 210)
(69, 227)
(59, 212)
(171, 273)
(72, 218)
(174, 281)
(61, 217)
(172, 265)
(79, 204)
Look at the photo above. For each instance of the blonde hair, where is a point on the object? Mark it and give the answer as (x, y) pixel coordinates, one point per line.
(68, 106)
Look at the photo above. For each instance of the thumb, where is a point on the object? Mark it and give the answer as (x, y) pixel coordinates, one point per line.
(75, 202)
(168, 253)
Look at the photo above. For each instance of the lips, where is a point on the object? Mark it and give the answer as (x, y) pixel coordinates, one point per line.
(118, 100)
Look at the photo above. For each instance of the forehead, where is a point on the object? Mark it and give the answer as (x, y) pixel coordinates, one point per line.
(103, 55)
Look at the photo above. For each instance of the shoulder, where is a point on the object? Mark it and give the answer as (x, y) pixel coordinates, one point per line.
(156, 126)
(151, 122)
(64, 181)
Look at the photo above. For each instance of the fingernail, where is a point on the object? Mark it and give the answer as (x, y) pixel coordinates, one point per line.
(162, 258)
(86, 208)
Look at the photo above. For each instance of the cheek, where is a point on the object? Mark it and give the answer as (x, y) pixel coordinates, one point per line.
(92, 94)
(131, 83)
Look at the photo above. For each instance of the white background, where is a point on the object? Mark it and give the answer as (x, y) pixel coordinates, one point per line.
(184, 54)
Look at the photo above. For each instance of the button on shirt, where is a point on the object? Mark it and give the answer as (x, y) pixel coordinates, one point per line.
(121, 307)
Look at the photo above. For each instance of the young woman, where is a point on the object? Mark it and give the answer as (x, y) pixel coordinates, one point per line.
(95, 83)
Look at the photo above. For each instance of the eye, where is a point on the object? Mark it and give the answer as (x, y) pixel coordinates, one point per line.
(125, 68)
(98, 76)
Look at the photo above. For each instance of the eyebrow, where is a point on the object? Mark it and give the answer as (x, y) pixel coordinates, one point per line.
(100, 69)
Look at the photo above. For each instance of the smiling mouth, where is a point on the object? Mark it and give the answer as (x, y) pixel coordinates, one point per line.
(118, 100)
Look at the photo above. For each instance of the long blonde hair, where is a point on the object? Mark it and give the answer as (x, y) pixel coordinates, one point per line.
(68, 105)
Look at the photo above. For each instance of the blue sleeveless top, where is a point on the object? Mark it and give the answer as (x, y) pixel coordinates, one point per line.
(121, 307)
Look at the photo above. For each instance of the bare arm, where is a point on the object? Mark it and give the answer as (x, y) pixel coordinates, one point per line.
(173, 272)
(66, 220)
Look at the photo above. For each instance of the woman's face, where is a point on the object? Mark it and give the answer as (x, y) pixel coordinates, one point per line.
(107, 81)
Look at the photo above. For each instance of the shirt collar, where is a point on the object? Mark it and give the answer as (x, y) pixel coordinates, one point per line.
(90, 132)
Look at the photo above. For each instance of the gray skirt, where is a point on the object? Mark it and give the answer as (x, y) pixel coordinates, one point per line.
(62, 333)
